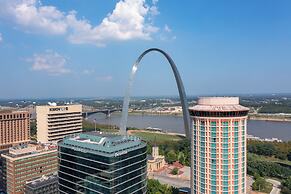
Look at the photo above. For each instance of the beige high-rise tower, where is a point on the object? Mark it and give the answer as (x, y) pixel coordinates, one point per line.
(219, 146)
(56, 122)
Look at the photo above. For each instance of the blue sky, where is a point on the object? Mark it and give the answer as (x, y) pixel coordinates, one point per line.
(73, 48)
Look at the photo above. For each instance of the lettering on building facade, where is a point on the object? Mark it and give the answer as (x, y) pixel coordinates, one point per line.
(120, 153)
(59, 109)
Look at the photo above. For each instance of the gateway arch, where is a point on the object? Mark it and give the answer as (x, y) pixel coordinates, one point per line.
(180, 86)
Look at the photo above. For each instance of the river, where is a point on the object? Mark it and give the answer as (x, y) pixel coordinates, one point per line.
(171, 123)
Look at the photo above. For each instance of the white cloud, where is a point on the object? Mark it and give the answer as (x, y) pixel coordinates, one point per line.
(167, 28)
(32, 17)
(127, 21)
(50, 62)
(104, 78)
(155, 2)
(88, 71)
(130, 19)
(1, 38)
(154, 9)
(166, 34)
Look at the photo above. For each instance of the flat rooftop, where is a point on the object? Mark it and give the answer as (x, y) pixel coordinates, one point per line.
(29, 150)
(42, 181)
(102, 143)
(12, 111)
(54, 105)
(223, 104)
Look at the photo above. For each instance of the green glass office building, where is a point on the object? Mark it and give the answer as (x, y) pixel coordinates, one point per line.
(97, 162)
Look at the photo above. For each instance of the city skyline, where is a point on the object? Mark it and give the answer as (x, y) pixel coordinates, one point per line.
(213, 47)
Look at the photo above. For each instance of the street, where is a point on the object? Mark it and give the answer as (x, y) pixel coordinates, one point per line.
(276, 186)
(176, 182)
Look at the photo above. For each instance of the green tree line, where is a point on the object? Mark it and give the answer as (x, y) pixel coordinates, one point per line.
(155, 187)
(280, 150)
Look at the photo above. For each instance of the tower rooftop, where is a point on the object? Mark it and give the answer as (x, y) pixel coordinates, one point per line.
(101, 143)
(218, 101)
(220, 104)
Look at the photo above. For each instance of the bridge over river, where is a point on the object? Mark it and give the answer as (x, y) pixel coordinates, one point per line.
(107, 112)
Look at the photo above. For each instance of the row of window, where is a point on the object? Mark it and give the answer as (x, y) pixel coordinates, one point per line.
(14, 116)
(223, 123)
(227, 146)
(223, 169)
(214, 191)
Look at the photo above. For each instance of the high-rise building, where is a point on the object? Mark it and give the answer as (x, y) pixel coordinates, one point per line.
(219, 146)
(14, 128)
(55, 122)
(96, 162)
(27, 162)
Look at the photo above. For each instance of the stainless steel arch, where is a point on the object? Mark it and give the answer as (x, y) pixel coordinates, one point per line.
(180, 86)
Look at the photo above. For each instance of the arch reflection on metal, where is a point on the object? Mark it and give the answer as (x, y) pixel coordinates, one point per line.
(180, 86)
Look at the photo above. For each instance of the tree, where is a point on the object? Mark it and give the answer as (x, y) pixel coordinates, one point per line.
(181, 158)
(256, 176)
(155, 187)
(286, 186)
(175, 171)
(171, 156)
(281, 155)
(285, 190)
(267, 168)
(181, 150)
(287, 182)
(149, 149)
(259, 184)
(262, 148)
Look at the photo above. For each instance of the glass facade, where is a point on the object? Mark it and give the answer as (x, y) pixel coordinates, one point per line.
(3, 173)
(89, 172)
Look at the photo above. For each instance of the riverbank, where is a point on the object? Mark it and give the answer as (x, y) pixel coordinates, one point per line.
(270, 117)
(170, 123)
(156, 137)
(156, 132)
(258, 116)
(155, 113)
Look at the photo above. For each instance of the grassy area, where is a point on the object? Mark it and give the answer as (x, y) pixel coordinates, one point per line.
(268, 188)
(89, 126)
(271, 159)
(157, 137)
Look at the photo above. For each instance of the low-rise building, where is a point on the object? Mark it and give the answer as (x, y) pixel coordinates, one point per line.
(27, 162)
(155, 161)
(45, 184)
